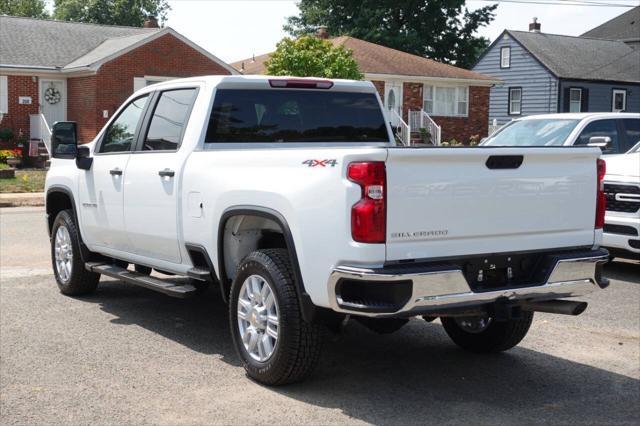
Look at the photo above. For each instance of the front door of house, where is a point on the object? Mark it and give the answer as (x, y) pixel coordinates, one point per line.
(53, 100)
(393, 101)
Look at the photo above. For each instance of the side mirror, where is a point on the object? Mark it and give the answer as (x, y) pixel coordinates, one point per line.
(601, 142)
(64, 140)
(83, 158)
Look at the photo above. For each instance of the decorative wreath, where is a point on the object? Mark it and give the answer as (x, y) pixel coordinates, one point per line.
(52, 95)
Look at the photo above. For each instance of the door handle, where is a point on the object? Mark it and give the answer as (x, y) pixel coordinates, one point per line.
(166, 173)
(115, 172)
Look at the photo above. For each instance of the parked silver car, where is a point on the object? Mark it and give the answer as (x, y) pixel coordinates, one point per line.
(614, 132)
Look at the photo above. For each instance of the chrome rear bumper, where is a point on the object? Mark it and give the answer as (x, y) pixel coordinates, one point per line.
(442, 287)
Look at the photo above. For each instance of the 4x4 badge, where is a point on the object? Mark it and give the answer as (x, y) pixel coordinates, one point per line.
(321, 163)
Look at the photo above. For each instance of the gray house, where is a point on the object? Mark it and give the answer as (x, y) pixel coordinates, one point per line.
(625, 27)
(547, 73)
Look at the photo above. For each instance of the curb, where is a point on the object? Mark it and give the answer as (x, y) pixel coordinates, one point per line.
(32, 199)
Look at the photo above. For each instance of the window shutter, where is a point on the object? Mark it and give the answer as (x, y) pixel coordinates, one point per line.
(584, 106)
(4, 95)
(566, 99)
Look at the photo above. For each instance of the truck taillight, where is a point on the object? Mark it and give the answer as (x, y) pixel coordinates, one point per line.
(601, 201)
(368, 215)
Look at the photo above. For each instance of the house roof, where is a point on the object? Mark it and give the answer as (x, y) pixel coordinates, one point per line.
(625, 27)
(582, 57)
(69, 46)
(377, 59)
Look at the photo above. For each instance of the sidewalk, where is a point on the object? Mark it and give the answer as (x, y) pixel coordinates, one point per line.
(22, 199)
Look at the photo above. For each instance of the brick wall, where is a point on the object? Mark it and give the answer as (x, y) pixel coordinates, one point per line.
(17, 119)
(476, 123)
(411, 98)
(379, 87)
(165, 56)
(81, 106)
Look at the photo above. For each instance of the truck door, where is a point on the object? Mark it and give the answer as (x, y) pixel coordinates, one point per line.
(154, 175)
(102, 187)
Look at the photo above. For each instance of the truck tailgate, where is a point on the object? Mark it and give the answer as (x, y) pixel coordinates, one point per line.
(455, 202)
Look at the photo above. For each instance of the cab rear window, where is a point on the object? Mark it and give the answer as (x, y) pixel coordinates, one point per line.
(281, 115)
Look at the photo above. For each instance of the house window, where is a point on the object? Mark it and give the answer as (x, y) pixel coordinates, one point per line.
(505, 57)
(515, 100)
(619, 100)
(452, 101)
(140, 82)
(575, 100)
(4, 95)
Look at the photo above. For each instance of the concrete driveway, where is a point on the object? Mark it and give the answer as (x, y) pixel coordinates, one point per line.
(131, 356)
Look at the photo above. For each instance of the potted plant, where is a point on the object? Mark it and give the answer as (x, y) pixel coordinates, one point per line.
(425, 135)
(15, 158)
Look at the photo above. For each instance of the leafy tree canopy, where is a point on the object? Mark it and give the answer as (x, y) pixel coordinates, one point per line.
(443, 30)
(310, 56)
(27, 8)
(130, 13)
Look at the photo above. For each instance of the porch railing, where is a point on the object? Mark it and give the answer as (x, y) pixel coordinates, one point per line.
(39, 129)
(419, 119)
(402, 130)
(493, 127)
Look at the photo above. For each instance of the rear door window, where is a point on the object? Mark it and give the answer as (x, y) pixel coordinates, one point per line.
(601, 128)
(631, 131)
(169, 120)
(281, 115)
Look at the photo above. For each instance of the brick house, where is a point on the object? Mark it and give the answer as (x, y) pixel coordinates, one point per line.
(456, 99)
(82, 72)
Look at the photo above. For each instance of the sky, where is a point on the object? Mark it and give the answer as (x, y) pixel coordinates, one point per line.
(237, 29)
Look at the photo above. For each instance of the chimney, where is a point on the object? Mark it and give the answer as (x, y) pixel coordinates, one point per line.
(322, 32)
(151, 22)
(534, 27)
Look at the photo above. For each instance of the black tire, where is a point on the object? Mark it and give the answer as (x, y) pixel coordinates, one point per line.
(498, 336)
(78, 281)
(299, 344)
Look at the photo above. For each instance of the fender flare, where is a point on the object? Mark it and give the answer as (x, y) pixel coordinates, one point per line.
(84, 250)
(307, 308)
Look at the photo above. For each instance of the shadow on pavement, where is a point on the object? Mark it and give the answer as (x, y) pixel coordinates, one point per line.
(414, 376)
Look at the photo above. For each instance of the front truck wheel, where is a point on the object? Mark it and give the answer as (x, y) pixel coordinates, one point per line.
(486, 335)
(72, 277)
(274, 342)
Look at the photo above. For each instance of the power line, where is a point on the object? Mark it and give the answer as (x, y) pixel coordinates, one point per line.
(583, 3)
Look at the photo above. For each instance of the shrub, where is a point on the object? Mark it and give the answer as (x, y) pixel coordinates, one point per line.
(6, 134)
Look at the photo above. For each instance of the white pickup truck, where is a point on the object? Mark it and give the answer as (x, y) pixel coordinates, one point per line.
(292, 197)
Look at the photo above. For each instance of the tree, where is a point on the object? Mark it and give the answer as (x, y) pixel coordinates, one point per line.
(310, 56)
(130, 13)
(27, 8)
(438, 29)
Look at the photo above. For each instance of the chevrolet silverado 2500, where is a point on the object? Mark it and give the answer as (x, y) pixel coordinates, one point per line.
(292, 197)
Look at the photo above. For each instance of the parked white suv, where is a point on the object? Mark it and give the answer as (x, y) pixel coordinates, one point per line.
(292, 197)
(614, 132)
(622, 190)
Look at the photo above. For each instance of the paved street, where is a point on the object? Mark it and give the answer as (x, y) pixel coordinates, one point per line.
(131, 356)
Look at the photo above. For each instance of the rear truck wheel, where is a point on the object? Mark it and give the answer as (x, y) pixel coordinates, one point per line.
(275, 344)
(483, 334)
(72, 277)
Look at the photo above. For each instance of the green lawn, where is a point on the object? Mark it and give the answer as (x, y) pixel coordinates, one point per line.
(25, 181)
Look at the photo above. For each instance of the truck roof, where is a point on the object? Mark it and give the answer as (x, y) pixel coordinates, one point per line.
(581, 115)
(263, 82)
